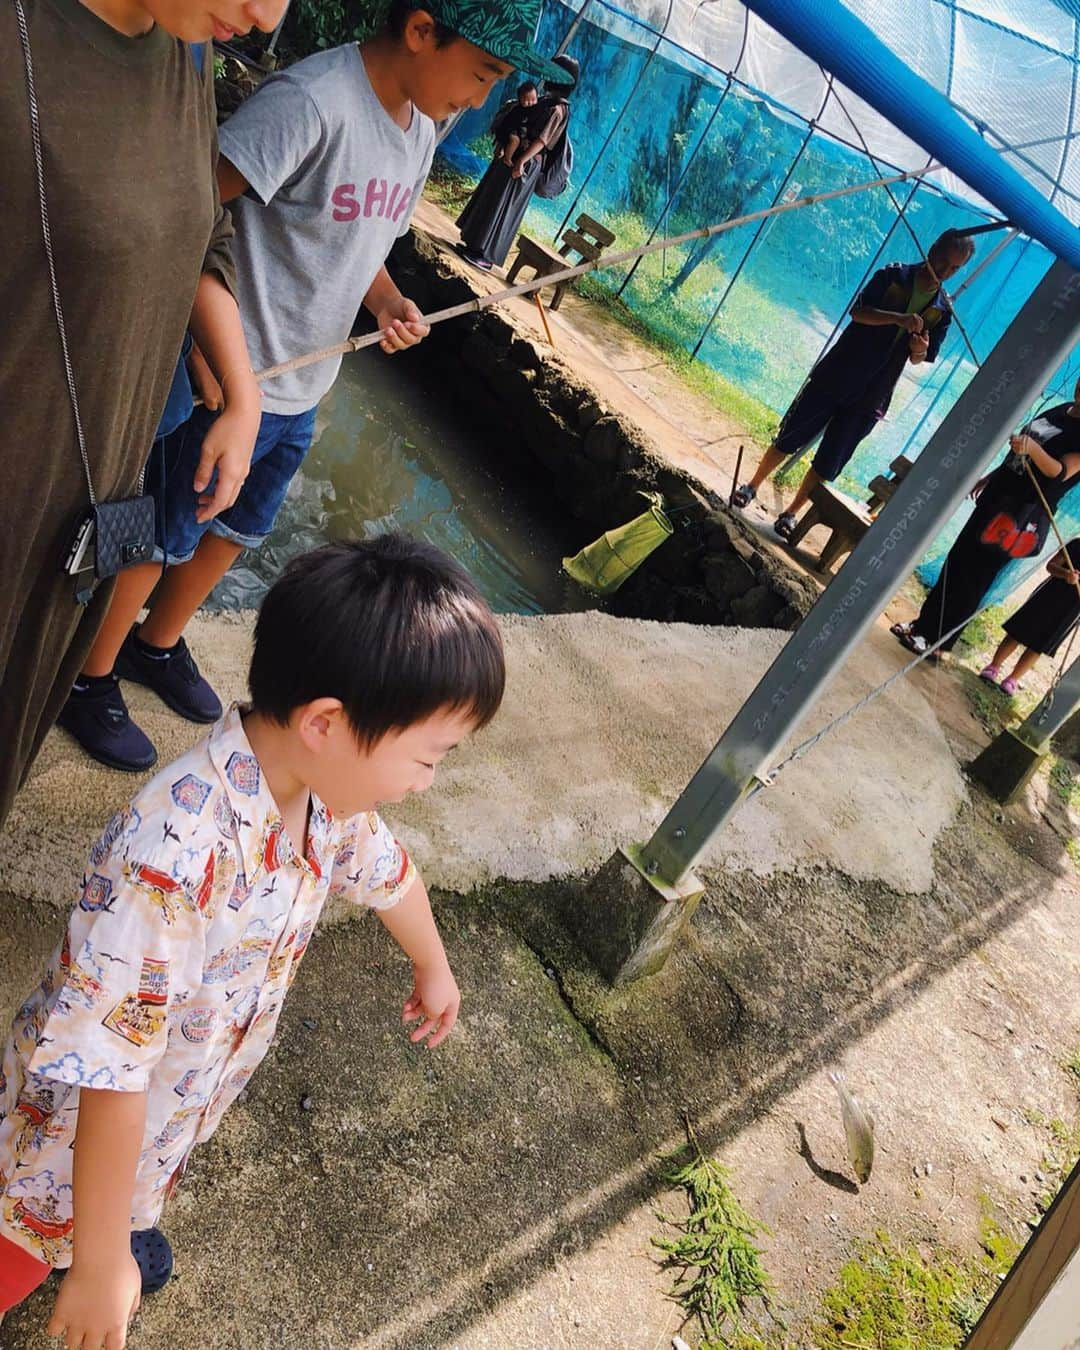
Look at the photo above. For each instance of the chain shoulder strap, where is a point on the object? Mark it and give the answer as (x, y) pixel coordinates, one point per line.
(46, 234)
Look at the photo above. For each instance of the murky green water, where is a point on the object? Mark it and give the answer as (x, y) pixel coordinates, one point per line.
(389, 454)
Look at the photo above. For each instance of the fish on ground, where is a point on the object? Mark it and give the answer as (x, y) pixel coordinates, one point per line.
(858, 1128)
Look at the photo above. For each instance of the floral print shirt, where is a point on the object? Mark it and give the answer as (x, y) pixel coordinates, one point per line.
(194, 913)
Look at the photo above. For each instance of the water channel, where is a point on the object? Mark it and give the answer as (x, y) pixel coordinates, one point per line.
(391, 452)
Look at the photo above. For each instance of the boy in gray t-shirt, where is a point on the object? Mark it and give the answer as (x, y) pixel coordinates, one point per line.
(323, 166)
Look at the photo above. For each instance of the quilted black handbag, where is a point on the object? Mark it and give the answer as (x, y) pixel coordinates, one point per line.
(112, 535)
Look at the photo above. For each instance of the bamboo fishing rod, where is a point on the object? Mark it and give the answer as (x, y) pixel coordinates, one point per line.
(482, 302)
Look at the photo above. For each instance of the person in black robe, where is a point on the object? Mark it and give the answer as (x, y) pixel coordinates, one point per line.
(492, 216)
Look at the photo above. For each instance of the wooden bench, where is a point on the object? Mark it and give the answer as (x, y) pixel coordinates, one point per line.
(848, 521)
(882, 487)
(587, 237)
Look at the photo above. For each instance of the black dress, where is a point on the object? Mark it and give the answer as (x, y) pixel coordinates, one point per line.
(1050, 613)
(492, 216)
(985, 546)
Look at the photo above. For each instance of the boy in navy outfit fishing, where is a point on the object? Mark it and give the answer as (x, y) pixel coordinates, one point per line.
(900, 318)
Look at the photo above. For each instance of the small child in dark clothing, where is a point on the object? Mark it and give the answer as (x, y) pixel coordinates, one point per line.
(1043, 622)
(509, 124)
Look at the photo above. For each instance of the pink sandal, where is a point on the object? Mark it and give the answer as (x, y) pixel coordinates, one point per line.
(1011, 687)
(990, 674)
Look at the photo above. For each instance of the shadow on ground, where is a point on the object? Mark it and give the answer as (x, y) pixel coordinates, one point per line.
(367, 1193)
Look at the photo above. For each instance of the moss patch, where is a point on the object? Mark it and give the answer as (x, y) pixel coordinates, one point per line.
(896, 1295)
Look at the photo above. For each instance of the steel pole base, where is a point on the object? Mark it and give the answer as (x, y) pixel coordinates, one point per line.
(628, 921)
(1006, 767)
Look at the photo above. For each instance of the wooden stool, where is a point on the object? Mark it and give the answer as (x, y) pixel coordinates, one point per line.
(587, 237)
(847, 520)
(882, 487)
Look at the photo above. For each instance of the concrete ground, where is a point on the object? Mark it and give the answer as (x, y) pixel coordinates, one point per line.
(605, 721)
(502, 1191)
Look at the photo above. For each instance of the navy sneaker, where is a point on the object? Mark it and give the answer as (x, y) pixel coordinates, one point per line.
(172, 674)
(97, 716)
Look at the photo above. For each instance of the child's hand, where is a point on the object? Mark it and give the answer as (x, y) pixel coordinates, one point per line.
(436, 999)
(203, 380)
(227, 448)
(94, 1306)
(402, 326)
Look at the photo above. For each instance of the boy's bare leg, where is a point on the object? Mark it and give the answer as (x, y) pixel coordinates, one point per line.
(133, 587)
(802, 495)
(770, 460)
(185, 588)
(511, 149)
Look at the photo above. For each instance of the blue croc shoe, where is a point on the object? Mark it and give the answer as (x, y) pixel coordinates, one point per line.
(172, 674)
(97, 716)
(153, 1255)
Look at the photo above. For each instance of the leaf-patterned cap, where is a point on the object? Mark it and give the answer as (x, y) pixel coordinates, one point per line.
(505, 29)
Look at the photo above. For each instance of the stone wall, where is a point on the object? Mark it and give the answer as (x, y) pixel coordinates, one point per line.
(595, 461)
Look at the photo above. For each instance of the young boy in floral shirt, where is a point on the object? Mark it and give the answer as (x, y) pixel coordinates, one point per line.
(371, 662)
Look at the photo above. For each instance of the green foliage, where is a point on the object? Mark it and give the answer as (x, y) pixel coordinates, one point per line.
(983, 633)
(1063, 782)
(1000, 1247)
(219, 67)
(1062, 1137)
(448, 187)
(718, 1263)
(483, 146)
(314, 25)
(993, 711)
(1062, 1155)
(893, 1297)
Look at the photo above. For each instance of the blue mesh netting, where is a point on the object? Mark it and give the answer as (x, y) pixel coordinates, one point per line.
(667, 140)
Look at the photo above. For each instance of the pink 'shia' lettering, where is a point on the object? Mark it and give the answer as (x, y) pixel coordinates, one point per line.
(381, 199)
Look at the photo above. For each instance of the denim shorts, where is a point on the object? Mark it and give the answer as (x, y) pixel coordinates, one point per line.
(280, 447)
(841, 426)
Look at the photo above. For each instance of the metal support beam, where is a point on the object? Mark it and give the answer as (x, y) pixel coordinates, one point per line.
(631, 916)
(1011, 378)
(1011, 760)
(646, 65)
(1035, 343)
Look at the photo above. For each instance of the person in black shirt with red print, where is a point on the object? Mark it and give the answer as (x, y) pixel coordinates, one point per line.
(900, 317)
(1010, 521)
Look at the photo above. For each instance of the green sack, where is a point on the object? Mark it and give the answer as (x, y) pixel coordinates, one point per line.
(604, 565)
